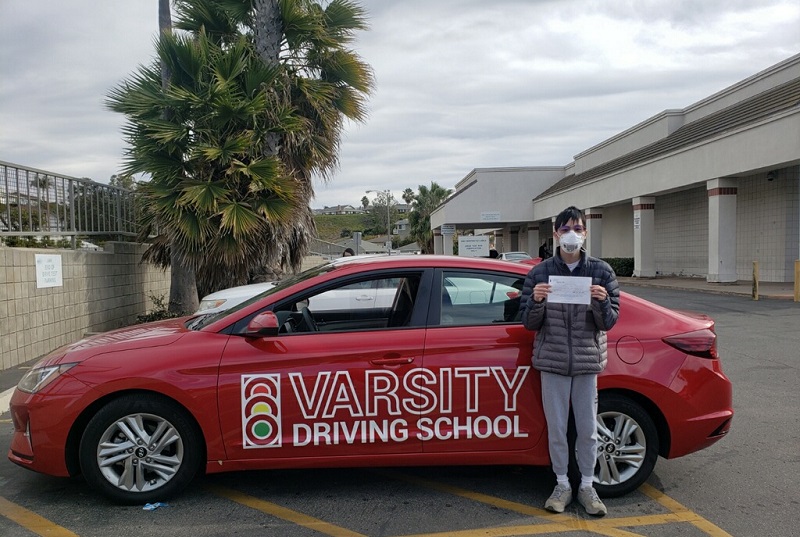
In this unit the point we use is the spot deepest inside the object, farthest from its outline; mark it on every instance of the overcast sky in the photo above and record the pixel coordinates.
(460, 84)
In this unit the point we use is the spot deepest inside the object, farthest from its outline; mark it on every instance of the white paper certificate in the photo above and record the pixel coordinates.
(570, 290)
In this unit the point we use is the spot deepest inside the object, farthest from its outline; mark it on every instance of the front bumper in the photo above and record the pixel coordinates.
(41, 429)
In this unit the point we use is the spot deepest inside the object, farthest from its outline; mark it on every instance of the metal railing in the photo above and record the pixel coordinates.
(37, 203)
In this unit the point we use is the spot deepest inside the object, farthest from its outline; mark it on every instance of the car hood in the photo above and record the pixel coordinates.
(156, 334)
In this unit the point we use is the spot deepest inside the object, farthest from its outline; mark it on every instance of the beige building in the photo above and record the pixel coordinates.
(702, 191)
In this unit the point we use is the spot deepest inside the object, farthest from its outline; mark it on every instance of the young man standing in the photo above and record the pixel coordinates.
(570, 351)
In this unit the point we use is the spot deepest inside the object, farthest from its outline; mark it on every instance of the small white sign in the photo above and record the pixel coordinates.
(473, 246)
(570, 290)
(48, 271)
(637, 221)
(448, 229)
(493, 216)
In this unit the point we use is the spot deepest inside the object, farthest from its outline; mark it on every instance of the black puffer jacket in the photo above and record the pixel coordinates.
(571, 338)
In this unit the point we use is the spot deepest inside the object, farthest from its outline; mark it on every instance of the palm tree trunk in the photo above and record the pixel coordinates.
(268, 36)
(268, 33)
(183, 284)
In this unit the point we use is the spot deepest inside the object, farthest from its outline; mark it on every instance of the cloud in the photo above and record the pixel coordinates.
(460, 84)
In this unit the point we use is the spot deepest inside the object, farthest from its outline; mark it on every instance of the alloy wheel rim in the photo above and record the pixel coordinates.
(621, 448)
(140, 452)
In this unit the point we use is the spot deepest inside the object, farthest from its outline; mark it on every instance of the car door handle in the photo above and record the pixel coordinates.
(363, 297)
(392, 361)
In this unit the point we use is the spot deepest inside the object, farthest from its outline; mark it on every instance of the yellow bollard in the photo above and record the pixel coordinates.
(797, 280)
(755, 280)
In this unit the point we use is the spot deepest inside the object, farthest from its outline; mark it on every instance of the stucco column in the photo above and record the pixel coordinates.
(447, 242)
(513, 239)
(533, 240)
(644, 237)
(594, 232)
(437, 242)
(498, 242)
(721, 230)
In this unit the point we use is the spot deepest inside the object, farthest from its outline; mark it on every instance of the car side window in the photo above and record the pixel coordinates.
(479, 298)
(374, 303)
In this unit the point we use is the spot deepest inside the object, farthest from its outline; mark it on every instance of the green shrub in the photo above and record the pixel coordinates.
(160, 311)
(623, 266)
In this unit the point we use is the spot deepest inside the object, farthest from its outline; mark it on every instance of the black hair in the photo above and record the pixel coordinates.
(348, 251)
(570, 213)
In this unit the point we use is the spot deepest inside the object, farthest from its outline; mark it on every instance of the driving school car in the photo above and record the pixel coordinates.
(438, 375)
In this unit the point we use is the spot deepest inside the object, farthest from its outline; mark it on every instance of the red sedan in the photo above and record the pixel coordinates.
(300, 377)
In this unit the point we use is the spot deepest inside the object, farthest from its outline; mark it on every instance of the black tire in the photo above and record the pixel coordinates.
(627, 448)
(118, 458)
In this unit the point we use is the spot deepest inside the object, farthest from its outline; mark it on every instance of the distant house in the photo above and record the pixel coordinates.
(401, 228)
(412, 248)
(339, 209)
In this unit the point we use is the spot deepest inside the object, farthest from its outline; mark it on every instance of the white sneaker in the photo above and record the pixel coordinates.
(559, 499)
(588, 498)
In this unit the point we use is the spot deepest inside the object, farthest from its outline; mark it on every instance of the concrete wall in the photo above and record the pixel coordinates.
(681, 223)
(767, 228)
(101, 291)
(618, 230)
(768, 225)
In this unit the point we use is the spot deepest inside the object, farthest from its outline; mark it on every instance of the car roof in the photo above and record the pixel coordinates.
(425, 261)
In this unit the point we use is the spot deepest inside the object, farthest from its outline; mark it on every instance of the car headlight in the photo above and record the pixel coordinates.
(210, 304)
(37, 378)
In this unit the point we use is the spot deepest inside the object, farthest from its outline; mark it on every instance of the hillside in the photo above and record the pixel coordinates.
(330, 226)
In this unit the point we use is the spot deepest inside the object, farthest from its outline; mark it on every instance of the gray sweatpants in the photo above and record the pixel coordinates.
(557, 392)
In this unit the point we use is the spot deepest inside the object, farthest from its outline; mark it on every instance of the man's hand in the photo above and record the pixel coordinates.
(541, 291)
(598, 292)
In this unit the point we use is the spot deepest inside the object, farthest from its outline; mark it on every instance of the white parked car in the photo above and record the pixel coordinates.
(225, 299)
(233, 296)
(515, 256)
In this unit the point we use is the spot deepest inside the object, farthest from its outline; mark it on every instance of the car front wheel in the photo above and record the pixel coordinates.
(627, 446)
(140, 448)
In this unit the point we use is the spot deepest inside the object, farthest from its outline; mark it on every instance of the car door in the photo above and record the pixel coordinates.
(480, 355)
(340, 392)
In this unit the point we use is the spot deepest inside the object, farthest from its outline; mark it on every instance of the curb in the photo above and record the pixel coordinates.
(709, 290)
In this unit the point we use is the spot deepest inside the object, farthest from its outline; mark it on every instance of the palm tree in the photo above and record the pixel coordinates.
(419, 219)
(233, 141)
(183, 282)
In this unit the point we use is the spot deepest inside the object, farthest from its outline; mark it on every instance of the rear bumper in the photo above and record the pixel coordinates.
(706, 412)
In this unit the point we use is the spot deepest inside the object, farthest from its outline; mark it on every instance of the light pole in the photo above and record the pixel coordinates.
(388, 218)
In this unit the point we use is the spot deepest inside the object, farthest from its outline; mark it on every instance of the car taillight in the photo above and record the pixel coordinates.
(702, 343)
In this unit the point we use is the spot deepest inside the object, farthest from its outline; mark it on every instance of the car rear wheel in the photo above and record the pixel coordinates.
(627, 446)
(140, 448)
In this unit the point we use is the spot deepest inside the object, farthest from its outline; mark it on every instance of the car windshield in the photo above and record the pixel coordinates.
(198, 322)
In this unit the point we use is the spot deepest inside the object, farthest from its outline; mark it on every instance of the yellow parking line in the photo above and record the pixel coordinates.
(690, 516)
(557, 523)
(553, 523)
(31, 521)
(289, 515)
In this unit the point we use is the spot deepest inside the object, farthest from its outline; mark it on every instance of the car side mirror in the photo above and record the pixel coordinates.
(264, 324)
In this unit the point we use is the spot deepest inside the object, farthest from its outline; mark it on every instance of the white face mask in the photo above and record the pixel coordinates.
(570, 242)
